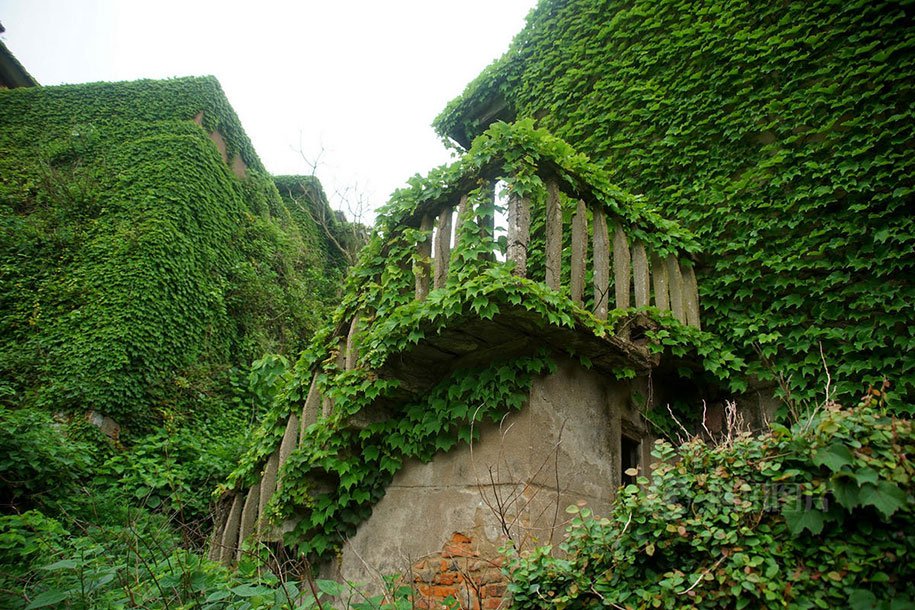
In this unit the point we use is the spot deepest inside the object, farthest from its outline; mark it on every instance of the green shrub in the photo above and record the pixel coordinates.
(38, 460)
(818, 516)
(138, 564)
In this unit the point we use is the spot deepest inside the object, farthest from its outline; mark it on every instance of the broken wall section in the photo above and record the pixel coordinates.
(443, 522)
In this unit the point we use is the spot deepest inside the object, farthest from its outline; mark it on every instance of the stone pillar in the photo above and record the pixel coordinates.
(442, 248)
(553, 276)
(601, 264)
(621, 266)
(519, 233)
(579, 252)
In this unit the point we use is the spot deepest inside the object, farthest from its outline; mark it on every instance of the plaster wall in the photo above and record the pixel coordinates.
(516, 480)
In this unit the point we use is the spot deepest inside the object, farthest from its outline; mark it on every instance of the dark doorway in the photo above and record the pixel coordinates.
(629, 459)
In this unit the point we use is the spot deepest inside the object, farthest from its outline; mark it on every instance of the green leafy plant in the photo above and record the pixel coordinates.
(137, 563)
(816, 516)
(37, 459)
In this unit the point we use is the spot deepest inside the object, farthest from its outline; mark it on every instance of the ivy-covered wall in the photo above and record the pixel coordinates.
(781, 134)
(306, 201)
(135, 269)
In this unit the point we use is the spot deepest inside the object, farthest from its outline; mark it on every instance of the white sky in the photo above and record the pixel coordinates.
(361, 80)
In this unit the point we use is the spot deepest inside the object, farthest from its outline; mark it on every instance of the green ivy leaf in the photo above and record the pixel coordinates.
(885, 497)
(251, 591)
(862, 599)
(846, 491)
(867, 475)
(329, 587)
(218, 595)
(835, 457)
(799, 520)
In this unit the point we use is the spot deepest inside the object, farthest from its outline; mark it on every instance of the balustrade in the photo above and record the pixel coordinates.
(623, 272)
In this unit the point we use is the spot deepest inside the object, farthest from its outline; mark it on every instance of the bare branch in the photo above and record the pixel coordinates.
(344, 230)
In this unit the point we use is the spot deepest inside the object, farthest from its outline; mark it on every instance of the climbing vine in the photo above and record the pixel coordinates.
(340, 469)
(815, 516)
(780, 134)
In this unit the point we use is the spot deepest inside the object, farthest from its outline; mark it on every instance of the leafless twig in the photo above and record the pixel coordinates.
(682, 427)
(701, 576)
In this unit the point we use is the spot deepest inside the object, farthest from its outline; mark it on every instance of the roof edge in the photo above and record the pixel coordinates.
(12, 73)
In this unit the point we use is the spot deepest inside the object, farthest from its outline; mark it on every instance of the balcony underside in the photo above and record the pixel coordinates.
(470, 342)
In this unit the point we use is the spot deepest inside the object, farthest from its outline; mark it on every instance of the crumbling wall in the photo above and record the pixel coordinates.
(511, 487)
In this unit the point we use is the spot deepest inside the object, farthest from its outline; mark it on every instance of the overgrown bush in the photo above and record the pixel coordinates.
(37, 459)
(820, 515)
(139, 563)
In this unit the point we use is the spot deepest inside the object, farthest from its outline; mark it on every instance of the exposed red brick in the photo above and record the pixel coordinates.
(444, 592)
(451, 550)
(460, 573)
(446, 578)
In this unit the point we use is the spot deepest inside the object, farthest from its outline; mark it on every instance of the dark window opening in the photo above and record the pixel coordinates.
(629, 458)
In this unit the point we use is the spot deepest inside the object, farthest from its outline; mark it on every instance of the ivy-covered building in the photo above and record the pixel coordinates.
(481, 381)
(145, 253)
(779, 138)
(664, 214)
(781, 134)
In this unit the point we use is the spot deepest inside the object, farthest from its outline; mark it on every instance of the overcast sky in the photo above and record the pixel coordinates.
(360, 79)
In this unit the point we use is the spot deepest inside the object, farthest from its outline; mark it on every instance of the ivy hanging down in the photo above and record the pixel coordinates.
(339, 470)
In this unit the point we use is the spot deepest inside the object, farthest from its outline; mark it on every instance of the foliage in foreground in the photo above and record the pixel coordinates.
(140, 562)
(91, 525)
(817, 516)
(113, 518)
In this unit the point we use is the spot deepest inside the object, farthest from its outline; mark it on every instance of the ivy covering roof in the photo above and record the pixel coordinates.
(780, 134)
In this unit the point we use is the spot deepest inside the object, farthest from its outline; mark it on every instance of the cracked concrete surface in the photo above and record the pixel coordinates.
(517, 479)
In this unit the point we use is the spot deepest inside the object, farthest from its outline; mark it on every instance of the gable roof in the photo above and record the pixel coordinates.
(12, 73)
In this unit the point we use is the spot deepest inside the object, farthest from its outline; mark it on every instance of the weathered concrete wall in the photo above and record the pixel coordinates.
(517, 480)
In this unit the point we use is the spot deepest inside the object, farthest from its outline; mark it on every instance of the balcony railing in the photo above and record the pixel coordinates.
(576, 245)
